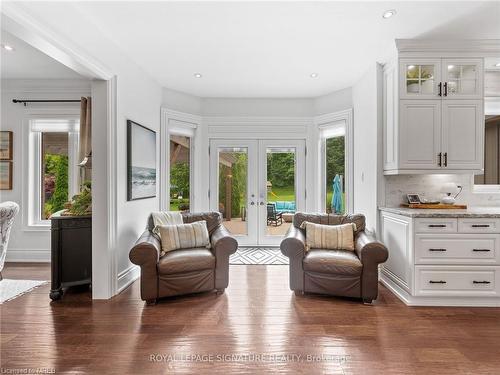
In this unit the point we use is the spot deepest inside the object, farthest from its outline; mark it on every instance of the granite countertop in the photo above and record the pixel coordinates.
(487, 212)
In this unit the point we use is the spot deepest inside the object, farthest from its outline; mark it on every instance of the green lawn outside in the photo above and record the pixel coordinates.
(174, 203)
(329, 194)
(282, 194)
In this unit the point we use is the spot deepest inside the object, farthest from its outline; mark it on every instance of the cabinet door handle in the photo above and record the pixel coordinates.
(481, 250)
(445, 159)
(480, 225)
(437, 249)
(481, 282)
(437, 282)
(440, 159)
(440, 86)
(446, 89)
(437, 225)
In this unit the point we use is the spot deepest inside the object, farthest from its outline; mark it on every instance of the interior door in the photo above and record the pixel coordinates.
(233, 187)
(281, 187)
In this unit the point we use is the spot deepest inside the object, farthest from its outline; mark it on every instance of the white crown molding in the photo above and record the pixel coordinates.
(481, 46)
(20, 23)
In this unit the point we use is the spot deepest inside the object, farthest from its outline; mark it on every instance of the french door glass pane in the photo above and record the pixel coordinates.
(54, 173)
(335, 174)
(281, 194)
(180, 172)
(233, 172)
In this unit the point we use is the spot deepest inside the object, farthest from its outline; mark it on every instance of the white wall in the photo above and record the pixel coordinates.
(334, 102)
(257, 107)
(182, 102)
(367, 144)
(28, 244)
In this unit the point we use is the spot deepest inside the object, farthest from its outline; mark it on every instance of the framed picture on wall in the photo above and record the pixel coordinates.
(5, 175)
(6, 145)
(141, 161)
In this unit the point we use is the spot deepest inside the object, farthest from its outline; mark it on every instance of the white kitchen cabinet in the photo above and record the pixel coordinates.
(462, 134)
(433, 112)
(445, 261)
(420, 133)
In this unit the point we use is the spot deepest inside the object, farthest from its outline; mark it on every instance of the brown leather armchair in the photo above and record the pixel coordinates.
(184, 271)
(335, 272)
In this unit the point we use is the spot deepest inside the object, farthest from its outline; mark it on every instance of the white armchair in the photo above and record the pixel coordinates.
(8, 211)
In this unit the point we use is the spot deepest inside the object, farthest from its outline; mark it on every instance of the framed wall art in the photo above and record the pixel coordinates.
(6, 145)
(141, 162)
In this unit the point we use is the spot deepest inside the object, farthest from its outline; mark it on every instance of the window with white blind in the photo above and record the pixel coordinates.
(53, 169)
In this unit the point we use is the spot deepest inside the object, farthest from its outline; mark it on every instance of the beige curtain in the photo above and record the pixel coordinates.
(85, 134)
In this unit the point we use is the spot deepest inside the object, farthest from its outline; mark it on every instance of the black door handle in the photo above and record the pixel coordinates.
(440, 157)
(445, 159)
(437, 282)
(480, 225)
(484, 250)
(440, 86)
(437, 249)
(481, 282)
(446, 89)
(437, 225)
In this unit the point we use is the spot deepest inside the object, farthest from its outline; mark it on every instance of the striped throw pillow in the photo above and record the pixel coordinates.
(331, 237)
(184, 236)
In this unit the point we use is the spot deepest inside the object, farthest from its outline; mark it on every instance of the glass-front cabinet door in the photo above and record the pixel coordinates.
(420, 79)
(462, 78)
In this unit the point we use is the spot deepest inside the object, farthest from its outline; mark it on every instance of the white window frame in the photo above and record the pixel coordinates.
(183, 124)
(328, 123)
(33, 199)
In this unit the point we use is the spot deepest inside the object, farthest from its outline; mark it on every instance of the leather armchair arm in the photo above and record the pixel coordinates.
(293, 246)
(369, 250)
(146, 253)
(223, 245)
(371, 253)
(146, 249)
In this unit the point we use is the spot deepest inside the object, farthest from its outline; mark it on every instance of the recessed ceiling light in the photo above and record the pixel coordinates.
(314, 75)
(197, 75)
(450, 67)
(497, 65)
(7, 47)
(389, 13)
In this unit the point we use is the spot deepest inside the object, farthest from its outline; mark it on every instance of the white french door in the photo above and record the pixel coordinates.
(257, 185)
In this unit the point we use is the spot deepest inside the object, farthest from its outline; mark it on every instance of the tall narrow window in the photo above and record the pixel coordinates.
(180, 172)
(54, 172)
(333, 145)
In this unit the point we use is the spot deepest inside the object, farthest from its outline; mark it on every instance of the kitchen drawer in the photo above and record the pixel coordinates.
(457, 281)
(457, 248)
(479, 225)
(433, 225)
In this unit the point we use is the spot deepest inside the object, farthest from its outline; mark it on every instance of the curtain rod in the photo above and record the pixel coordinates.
(44, 101)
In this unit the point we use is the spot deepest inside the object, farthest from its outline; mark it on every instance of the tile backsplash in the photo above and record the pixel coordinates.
(428, 186)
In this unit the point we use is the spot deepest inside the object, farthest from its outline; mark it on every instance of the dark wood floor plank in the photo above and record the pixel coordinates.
(257, 315)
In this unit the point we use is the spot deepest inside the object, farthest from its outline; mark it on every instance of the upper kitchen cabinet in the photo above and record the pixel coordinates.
(462, 78)
(420, 78)
(433, 107)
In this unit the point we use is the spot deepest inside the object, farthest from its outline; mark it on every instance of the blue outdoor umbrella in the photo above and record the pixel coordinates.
(337, 195)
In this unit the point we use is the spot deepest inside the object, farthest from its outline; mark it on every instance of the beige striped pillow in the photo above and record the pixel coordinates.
(332, 237)
(184, 236)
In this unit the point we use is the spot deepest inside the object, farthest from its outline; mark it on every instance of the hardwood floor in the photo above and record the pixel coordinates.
(258, 315)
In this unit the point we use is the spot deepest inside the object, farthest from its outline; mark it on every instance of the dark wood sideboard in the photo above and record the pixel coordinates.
(71, 252)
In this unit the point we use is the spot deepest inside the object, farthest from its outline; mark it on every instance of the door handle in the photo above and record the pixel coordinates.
(445, 159)
(437, 282)
(481, 282)
(440, 86)
(446, 89)
(480, 225)
(440, 158)
(437, 249)
(437, 225)
(481, 250)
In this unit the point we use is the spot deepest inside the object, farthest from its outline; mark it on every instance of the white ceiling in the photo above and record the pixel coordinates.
(269, 49)
(26, 62)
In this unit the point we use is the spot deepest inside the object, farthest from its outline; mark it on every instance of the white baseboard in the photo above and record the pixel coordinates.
(127, 277)
(28, 255)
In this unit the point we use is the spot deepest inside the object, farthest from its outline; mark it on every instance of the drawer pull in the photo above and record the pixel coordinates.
(481, 282)
(437, 225)
(437, 282)
(482, 250)
(480, 225)
(437, 249)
